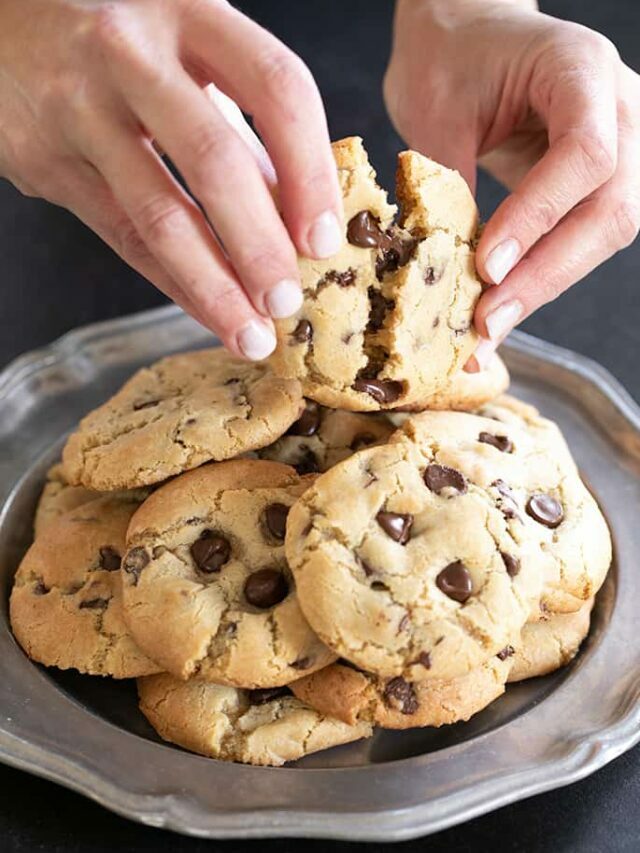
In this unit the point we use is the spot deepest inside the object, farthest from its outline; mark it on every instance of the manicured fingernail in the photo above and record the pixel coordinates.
(325, 235)
(502, 259)
(284, 299)
(256, 341)
(482, 356)
(503, 319)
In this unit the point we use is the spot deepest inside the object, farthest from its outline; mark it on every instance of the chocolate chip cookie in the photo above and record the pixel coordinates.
(268, 727)
(548, 645)
(207, 588)
(354, 696)
(182, 411)
(66, 603)
(387, 322)
(405, 561)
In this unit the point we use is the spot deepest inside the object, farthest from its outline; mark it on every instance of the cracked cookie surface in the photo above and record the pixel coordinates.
(58, 497)
(66, 603)
(265, 727)
(207, 588)
(550, 644)
(178, 413)
(354, 696)
(387, 321)
(404, 560)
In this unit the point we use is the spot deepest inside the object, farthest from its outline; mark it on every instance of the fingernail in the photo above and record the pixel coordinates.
(325, 235)
(483, 354)
(502, 259)
(284, 299)
(256, 341)
(503, 319)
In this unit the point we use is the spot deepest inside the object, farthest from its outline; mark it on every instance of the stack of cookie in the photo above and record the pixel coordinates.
(355, 535)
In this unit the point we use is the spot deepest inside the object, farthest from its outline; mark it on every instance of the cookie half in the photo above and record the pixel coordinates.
(66, 602)
(267, 727)
(207, 588)
(405, 563)
(354, 696)
(387, 321)
(182, 411)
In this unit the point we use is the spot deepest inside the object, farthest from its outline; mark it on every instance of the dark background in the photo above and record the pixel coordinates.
(56, 275)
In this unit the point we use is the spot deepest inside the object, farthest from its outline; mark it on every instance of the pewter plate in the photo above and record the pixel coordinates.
(87, 733)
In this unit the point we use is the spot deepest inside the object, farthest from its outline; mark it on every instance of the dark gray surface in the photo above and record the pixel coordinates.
(56, 275)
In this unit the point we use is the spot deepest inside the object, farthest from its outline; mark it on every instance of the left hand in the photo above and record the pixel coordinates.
(550, 109)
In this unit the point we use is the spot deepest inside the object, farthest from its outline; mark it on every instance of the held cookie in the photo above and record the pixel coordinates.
(405, 565)
(322, 437)
(268, 727)
(66, 603)
(550, 499)
(387, 321)
(549, 645)
(354, 696)
(207, 588)
(182, 411)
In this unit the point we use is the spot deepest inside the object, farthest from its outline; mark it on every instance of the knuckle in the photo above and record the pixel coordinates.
(284, 75)
(128, 242)
(626, 219)
(597, 155)
(161, 219)
(260, 259)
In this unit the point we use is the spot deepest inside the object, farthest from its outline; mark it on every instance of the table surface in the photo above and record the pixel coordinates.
(57, 275)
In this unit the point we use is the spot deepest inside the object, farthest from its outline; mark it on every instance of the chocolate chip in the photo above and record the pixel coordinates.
(383, 391)
(308, 422)
(303, 332)
(110, 560)
(158, 551)
(378, 586)
(210, 552)
(145, 404)
(455, 582)
(307, 463)
(436, 322)
(268, 694)
(502, 442)
(362, 439)
(440, 477)
(342, 279)
(396, 525)
(424, 659)
(545, 509)
(231, 629)
(275, 518)
(232, 381)
(506, 652)
(94, 604)
(39, 588)
(265, 588)
(379, 307)
(507, 503)
(366, 568)
(363, 230)
(400, 696)
(512, 564)
(134, 562)
(432, 276)
(302, 663)
(396, 250)
(404, 622)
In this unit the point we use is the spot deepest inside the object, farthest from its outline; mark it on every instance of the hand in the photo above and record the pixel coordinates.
(549, 108)
(89, 88)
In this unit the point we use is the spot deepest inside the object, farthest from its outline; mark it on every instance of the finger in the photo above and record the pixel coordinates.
(582, 130)
(177, 235)
(597, 228)
(222, 174)
(272, 84)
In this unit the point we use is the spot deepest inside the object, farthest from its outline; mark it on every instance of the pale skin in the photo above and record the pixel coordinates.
(91, 89)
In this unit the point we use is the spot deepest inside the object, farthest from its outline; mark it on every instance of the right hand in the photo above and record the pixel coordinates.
(86, 89)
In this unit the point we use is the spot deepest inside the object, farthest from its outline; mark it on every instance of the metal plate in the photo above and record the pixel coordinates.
(86, 733)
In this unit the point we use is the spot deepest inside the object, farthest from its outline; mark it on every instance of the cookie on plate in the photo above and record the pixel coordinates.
(207, 588)
(548, 645)
(387, 321)
(267, 727)
(322, 437)
(59, 497)
(404, 559)
(354, 696)
(66, 603)
(182, 411)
